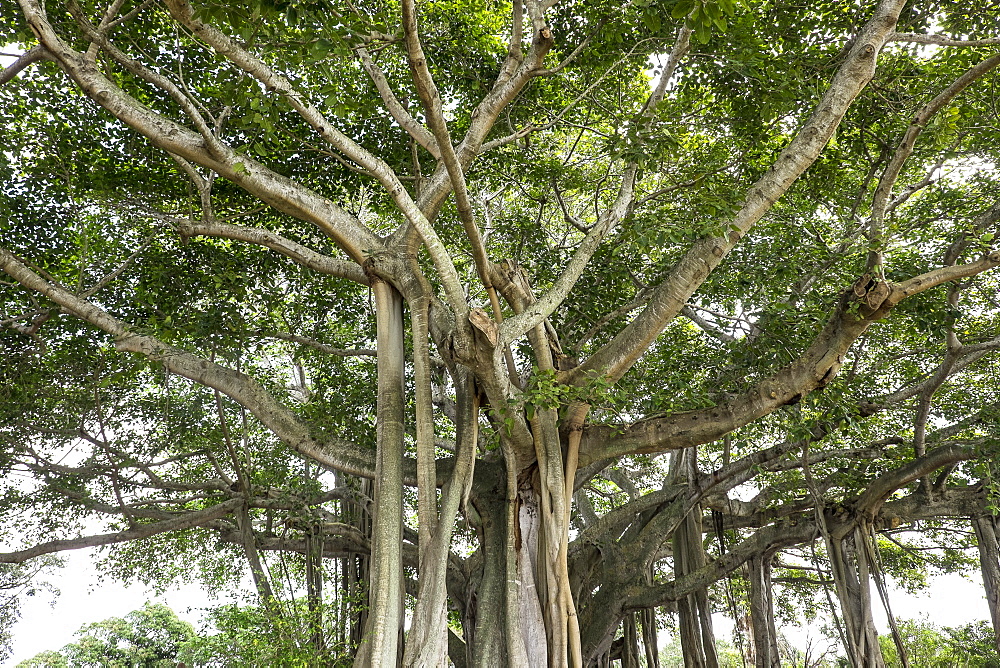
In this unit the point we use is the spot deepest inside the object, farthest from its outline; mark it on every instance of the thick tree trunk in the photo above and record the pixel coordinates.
(427, 643)
(490, 648)
(529, 552)
(649, 641)
(850, 567)
(989, 560)
(765, 635)
(380, 646)
(694, 614)
(517, 570)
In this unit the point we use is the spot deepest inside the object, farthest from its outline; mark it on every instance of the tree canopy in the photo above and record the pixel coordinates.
(522, 327)
(155, 637)
(151, 637)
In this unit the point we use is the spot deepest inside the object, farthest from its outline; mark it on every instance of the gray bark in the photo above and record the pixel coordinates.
(380, 646)
(850, 568)
(648, 618)
(989, 560)
(490, 646)
(694, 615)
(427, 643)
(532, 618)
(765, 636)
(630, 642)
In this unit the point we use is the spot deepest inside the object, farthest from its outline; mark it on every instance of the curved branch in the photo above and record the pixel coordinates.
(871, 500)
(895, 165)
(813, 369)
(275, 190)
(431, 100)
(184, 521)
(32, 55)
(412, 127)
(609, 219)
(243, 389)
(290, 249)
(255, 67)
(957, 503)
(543, 307)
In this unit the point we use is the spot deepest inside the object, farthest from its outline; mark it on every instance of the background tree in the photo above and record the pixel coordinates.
(153, 637)
(928, 644)
(402, 306)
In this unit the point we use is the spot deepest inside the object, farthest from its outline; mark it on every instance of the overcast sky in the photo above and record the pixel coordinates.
(85, 599)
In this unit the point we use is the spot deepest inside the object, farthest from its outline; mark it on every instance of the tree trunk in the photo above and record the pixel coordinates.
(490, 648)
(529, 552)
(314, 589)
(517, 570)
(649, 641)
(355, 570)
(630, 642)
(850, 568)
(380, 646)
(694, 615)
(427, 643)
(989, 560)
(765, 636)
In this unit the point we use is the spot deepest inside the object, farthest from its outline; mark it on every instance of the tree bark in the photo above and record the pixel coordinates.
(649, 641)
(380, 645)
(427, 644)
(694, 614)
(765, 636)
(529, 551)
(989, 560)
(850, 568)
(490, 647)
(630, 642)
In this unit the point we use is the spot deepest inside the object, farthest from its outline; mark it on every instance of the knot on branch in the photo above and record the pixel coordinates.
(869, 293)
(375, 265)
(485, 324)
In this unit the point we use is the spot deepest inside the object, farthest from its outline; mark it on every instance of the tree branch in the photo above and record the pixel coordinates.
(615, 358)
(277, 191)
(247, 392)
(183, 521)
(32, 55)
(871, 500)
(940, 40)
(813, 369)
(252, 65)
(290, 249)
(905, 148)
(412, 127)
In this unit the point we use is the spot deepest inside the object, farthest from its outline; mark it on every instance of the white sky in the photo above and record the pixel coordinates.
(49, 625)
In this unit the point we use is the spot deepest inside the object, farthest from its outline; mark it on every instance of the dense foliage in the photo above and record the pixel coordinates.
(523, 327)
(153, 637)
